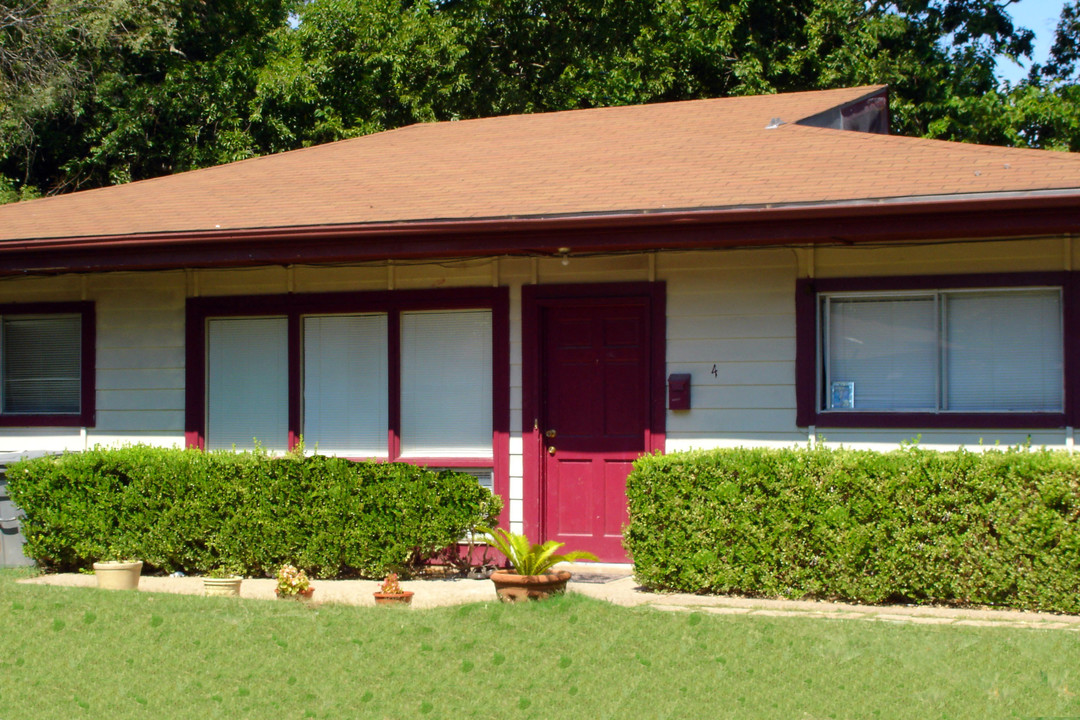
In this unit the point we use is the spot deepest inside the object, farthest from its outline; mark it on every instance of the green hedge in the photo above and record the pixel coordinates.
(988, 528)
(192, 511)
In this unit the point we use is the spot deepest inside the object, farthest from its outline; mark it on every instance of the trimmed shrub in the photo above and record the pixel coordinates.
(192, 510)
(998, 528)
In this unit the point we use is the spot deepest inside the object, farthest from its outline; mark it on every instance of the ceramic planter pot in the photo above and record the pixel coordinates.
(222, 587)
(511, 587)
(115, 575)
(402, 598)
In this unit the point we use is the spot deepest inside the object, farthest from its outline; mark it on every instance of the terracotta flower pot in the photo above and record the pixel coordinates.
(402, 598)
(115, 575)
(511, 587)
(222, 587)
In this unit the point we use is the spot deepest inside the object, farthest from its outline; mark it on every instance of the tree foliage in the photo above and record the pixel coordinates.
(96, 92)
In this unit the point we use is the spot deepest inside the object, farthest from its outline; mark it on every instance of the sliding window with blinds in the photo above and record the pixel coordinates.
(943, 351)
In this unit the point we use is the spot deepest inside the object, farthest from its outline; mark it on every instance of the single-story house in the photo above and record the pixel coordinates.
(539, 299)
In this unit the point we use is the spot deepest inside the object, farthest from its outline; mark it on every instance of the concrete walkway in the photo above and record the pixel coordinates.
(621, 591)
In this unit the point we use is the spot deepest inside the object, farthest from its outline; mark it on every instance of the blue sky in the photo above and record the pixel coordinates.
(1041, 17)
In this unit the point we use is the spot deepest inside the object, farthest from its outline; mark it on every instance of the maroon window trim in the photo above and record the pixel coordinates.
(393, 303)
(807, 372)
(87, 413)
(533, 298)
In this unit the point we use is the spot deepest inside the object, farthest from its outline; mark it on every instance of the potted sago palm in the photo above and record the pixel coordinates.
(532, 577)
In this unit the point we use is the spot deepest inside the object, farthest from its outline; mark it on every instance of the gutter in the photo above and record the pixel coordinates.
(993, 215)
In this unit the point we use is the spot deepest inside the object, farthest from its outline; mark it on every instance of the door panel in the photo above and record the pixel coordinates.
(595, 411)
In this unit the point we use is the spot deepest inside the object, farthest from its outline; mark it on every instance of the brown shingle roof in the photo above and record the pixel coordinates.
(699, 154)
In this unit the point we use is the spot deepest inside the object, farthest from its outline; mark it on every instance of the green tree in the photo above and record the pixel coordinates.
(97, 92)
(407, 61)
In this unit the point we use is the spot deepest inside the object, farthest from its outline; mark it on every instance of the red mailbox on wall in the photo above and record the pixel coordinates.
(679, 391)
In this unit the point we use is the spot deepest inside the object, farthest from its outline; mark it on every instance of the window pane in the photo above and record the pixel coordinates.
(446, 383)
(345, 385)
(882, 354)
(42, 364)
(247, 384)
(1004, 351)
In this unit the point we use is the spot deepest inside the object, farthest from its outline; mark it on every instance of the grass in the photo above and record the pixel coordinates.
(70, 653)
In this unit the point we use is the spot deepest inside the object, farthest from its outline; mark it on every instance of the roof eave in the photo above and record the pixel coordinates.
(987, 216)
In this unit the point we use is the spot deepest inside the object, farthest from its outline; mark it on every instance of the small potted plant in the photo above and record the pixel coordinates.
(222, 581)
(390, 592)
(532, 577)
(293, 584)
(118, 571)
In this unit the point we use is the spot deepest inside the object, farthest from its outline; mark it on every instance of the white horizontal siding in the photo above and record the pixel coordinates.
(691, 327)
(711, 440)
(138, 358)
(144, 379)
(731, 350)
(742, 397)
(142, 399)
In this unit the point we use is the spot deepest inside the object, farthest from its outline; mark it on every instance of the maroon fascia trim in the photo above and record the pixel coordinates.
(806, 360)
(295, 306)
(915, 219)
(533, 299)
(86, 417)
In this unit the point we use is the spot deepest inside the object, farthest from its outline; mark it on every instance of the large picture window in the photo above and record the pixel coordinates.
(968, 351)
(420, 376)
(46, 364)
(958, 351)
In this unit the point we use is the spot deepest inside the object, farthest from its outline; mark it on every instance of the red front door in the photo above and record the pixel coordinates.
(594, 399)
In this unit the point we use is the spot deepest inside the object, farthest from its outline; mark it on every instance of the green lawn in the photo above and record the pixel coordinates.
(69, 653)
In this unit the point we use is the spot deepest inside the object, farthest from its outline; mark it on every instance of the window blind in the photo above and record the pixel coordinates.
(446, 383)
(888, 348)
(345, 385)
(1004, 351)
(41, 364)
(247, 383)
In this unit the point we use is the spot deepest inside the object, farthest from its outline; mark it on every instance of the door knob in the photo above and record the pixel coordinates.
(551, 449)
